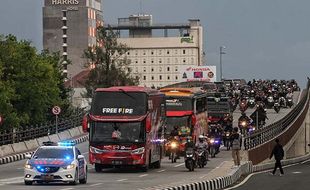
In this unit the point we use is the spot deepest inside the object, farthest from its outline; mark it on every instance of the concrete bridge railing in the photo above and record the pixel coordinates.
(259, 144)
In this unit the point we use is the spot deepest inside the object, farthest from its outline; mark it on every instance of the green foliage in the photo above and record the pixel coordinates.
(111, 68)
(30, 83)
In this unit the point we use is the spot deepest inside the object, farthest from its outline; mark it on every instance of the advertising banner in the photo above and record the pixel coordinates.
(197, 73)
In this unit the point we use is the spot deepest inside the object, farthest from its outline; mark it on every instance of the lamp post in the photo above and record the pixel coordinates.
(221, 69)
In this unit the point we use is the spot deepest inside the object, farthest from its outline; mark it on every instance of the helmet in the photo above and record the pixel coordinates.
(201, 137)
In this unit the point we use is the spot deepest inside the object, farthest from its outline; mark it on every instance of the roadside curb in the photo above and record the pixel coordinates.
(22, 156)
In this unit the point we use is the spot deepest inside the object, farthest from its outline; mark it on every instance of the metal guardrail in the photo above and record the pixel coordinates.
(271, 131)
(31, 132)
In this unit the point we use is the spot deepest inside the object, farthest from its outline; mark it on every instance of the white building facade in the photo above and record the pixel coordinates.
(157, 59)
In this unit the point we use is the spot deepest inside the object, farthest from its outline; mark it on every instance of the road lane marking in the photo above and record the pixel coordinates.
(143, 175)
(178, 165)
(96, 184)
(11, 179)
(161, 171)
(122, 180)
(85, 152)
(67, 188)
(20, 168)
(296, 172)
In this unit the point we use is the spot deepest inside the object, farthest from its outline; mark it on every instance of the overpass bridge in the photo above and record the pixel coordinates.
(291, 126)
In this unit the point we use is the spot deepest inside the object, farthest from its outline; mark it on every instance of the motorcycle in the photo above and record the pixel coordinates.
(282, 102)
(289, 102)
(226, 139)
(243, 126)
(243, 106)
(190, 159)
(214, 146)
(276, 106)
(251, 102)
(174, 148)
(202, 160)
(270, 101)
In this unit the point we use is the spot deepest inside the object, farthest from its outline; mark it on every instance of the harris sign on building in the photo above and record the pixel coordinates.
(197, 73)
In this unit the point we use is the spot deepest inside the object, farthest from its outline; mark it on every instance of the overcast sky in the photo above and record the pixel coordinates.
(267, 39)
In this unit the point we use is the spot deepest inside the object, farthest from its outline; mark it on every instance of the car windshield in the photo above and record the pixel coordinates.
(112, 132)
(54, 152)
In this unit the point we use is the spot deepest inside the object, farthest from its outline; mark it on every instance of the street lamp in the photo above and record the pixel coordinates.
(221, 53)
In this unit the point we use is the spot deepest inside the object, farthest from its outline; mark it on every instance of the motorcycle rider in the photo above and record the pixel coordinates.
(174, 136)
(202, 144)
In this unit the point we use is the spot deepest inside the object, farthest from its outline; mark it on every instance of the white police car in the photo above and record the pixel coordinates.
(56, 162)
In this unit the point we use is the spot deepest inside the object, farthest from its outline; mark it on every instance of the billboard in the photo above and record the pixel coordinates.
(197, 73)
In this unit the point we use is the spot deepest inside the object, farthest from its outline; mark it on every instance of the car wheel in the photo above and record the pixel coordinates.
(84, 180)
(28, 182)
(76, 178)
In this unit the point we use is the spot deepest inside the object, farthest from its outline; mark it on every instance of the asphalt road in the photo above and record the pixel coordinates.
(295, 178)
(11, 175)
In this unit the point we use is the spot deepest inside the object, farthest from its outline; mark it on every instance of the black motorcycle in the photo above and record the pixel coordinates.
(190, 159)
(202, 160)
(289, 102)
(226, 139)
(276, 106)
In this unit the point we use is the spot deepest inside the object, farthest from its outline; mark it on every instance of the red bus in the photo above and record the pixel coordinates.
(125, 126)
(186, 107)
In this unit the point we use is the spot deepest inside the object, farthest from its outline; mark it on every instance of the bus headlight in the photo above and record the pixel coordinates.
(95, 150)
(138, 151)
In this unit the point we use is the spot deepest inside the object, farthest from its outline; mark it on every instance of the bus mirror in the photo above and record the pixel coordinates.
(148, 124)
(85, 124)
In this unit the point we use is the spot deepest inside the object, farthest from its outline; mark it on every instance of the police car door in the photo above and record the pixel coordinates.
(81, 163)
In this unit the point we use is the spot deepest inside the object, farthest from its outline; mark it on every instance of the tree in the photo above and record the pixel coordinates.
(111, 67)
(30, 83)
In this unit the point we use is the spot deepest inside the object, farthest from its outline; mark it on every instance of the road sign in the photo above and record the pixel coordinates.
(56, 110)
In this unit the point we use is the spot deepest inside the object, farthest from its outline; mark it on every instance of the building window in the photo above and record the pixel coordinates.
(144, 77)
(152, 69)
(144, 52)
(136, 52)
(144, 69)
(176, 68)
(168, 52)
(137, 69)
(144, 61)
(168, 77)
(160, 77)
(176, 60)
(159, 60)
(152, 52)
(136, 61)
(159, 52)
(183, 51)
(176, 77)
(184, 60)
(152, 77)
(160, 69)
(152, 61)
(168, 68)
(128, 53)
(168, 60)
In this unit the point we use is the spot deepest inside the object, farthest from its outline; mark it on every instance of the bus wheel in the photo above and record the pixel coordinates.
(98, 167)
(157, 164)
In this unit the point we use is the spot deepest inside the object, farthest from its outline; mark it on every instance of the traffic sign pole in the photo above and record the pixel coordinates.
(56, 111)
(56, 124)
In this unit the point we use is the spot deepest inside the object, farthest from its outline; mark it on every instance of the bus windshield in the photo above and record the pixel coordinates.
(119, 103)
(176, 121)
(112, 132)
(178, 104)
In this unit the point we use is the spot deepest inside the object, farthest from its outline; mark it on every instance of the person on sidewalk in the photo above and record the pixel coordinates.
(278, 154)
(236, 142)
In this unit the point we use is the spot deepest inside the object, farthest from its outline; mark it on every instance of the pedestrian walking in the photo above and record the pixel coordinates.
(278, 154)
(236, 142)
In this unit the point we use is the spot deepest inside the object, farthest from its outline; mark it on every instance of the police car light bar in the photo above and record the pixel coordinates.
(68, 143)
(49, 143)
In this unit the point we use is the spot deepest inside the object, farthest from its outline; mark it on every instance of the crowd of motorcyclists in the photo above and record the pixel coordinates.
(257, 94)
